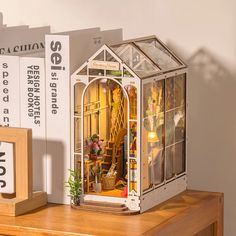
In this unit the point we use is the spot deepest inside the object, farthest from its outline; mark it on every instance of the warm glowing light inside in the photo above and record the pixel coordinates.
(152, 137)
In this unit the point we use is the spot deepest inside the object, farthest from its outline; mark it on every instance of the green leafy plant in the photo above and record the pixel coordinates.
(74, 184)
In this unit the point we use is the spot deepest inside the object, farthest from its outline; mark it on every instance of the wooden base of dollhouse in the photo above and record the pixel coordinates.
(106, 207)
(15, 206)
(163, 193)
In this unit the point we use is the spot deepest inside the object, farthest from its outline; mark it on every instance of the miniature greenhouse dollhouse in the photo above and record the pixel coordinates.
(129, 124)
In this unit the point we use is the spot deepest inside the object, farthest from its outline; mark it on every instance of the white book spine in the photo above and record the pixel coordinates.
(57, 116)
(33, 109)
(9, 91)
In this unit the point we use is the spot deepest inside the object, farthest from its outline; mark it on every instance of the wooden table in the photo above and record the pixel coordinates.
(186, 214)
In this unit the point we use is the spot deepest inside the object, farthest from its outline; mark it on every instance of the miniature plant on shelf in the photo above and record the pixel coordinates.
(74, 184)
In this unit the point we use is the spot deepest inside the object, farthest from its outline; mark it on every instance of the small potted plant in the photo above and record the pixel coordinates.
(94, 146)
(74, 184)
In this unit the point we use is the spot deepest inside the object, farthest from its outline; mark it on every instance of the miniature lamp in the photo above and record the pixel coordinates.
(152, 137)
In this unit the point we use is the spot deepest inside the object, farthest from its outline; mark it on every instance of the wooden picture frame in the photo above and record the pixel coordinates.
(24, 199)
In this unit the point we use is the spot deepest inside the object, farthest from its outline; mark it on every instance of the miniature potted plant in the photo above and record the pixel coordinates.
(95, 147)
(74, 184)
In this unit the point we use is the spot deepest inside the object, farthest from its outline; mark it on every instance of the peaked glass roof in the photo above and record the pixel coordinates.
(135, 59)
(147, 57)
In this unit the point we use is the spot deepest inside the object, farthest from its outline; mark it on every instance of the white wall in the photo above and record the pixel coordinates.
(186, 26)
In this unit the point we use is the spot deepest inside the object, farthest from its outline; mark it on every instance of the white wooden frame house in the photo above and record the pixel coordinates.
(151, 109)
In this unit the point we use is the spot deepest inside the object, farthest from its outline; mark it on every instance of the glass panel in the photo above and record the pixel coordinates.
(78, 90)
(122, 49)
(83, 71)
(136, 60)
(153, 166)
(180, 90)
(170, 128)
(114, 72)
(133, 139)
(153, 104)
(77, 144)
(96, 72)
(175, 125)
(132, 93)
(109, 57)
(158, 164)
(170, 93)
(91, 107)
(77, 162)
(87, 128)
(153, 134)
(153, 159)
(170, 171)
(126, 73)
(100, 56)
(146, 182)
(144, 68)
(133, 175)
(175, 92)
(158, 54)
(179, 121)
(180, 158)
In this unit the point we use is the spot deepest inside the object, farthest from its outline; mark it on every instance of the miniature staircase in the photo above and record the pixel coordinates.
(107, 157)
(106, 207)
(110, 155)
(119, 120)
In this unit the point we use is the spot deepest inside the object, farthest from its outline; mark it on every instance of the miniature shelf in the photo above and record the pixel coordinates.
(189, 213)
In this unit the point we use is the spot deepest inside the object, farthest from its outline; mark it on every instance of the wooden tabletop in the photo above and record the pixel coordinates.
(185, 214)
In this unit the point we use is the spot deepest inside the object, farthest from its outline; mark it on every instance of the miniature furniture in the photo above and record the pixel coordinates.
(191, 213)
(88, 165)
(138, 86)
(24, 199)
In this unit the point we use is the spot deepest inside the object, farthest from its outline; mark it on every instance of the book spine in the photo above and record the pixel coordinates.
(9, 91)
(33, 109)
(57, 116)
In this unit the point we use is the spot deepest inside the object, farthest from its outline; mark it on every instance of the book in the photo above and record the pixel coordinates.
(22, 39)
(33, 112)
(57, 110)
(5, 28)
(9, 91)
